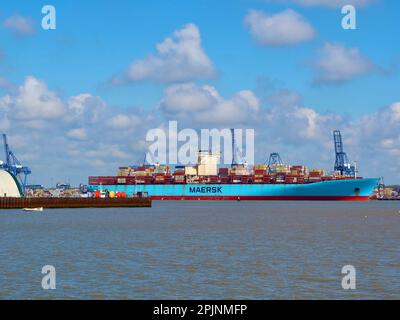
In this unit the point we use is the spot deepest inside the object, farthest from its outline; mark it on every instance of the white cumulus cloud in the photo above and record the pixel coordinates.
(336, 63)
(33, 101)
(326, 3)
(203, 103)
(284, 28)
(78, 133)
(179, 58)
(123, 121)
(86, 108)
(21, 26)
(334, 3)
(189, 97)
(70, 134)
(293, 122)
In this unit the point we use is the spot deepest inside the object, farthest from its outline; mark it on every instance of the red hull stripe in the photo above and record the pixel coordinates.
(263, 198)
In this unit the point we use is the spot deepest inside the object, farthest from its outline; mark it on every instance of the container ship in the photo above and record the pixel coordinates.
(207, 181)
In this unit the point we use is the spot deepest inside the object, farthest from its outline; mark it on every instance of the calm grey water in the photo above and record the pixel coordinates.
(203, 250)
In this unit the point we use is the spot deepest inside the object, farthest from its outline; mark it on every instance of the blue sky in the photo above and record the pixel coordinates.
(96, 41)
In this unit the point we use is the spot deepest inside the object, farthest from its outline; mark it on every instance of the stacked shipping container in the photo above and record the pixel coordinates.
(259, 174)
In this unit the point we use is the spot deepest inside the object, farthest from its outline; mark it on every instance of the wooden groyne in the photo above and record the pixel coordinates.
(20, 203)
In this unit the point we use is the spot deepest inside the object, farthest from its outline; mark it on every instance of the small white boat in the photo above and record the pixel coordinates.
(33, 209)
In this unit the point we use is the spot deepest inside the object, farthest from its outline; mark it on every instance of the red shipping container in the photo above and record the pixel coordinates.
(224, 179)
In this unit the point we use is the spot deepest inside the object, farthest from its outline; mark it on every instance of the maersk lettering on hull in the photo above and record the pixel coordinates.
(205, 190)
(337, 190)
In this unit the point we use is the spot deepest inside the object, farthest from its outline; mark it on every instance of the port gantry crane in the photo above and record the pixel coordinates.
(274, 159)
(342, 163)
(12, 164)
(237, 156)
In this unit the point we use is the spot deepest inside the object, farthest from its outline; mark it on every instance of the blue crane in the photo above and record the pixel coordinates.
(342, 163)
(12, 164)
(274, 159)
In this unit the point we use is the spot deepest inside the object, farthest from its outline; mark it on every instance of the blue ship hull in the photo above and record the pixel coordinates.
(336, 190)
